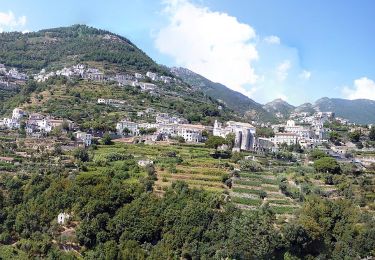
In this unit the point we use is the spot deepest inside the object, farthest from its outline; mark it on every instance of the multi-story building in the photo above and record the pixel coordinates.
(244, 134)
(83, 137)
(287, 138)
(301, 131)
(191, 133)
(132, 127)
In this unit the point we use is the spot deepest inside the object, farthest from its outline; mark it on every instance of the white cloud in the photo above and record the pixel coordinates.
(272, 39)
(305, 74)
(283, 69)
(363, 88)
(213, 44)
(8, 21)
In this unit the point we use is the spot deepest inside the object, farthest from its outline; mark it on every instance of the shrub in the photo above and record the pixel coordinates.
(81, 154)
(107, 140)
(328, 165)
(250, 166)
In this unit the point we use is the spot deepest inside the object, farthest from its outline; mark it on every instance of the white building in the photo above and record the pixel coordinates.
(125, 124)
(13, 73)
(18, 113)
(166, 79)
(110, 101)
(63, 218)
(152, 76)
(244, 134)
(164, 118)
(190, 133)
(83, 137)
(14, 121)
(101, 101)
(138, 76)
(147, 86)
(301, 131)
(288, 138)
(11, 123)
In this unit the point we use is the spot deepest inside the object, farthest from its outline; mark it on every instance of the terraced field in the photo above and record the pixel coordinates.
(194, 166)
(252, 190)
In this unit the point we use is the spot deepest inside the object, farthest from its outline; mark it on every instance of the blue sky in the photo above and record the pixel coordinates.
(297, 50)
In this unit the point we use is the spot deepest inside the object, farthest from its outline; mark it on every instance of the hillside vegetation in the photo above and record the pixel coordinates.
(66, 46)
(232, 99)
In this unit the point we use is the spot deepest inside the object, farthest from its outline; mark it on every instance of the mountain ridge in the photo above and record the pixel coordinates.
(360, 111)
(233, 99)
(279, 107)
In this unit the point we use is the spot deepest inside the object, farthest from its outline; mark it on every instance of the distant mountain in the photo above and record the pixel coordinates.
(306, 107)
(232, 99)
(361, 111)
(279, 107)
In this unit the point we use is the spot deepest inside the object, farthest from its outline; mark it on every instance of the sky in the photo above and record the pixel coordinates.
(297, 50)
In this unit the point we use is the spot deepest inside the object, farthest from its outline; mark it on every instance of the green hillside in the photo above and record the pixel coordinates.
(58, 47)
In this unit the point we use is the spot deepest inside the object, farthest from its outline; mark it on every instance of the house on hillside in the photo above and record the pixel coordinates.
(152, 76)
(132, 127)
(63, 218)
(138, 76)
(147, 86)
(83, 137)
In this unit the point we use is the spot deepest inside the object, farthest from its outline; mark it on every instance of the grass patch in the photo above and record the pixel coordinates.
(280, 202)
(247, 191)
(248, 183)
(283, 210)
(247, 201)
(271, 188)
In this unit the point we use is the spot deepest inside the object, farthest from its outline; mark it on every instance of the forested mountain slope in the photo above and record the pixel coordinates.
(233, 99)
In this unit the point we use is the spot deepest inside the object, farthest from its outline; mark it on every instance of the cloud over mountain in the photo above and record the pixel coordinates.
(363, 88)
(225, 50)
(213, 44)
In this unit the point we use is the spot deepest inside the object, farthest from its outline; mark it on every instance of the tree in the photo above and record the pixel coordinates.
(126, 131)
(328, 165)
(252, 236)
(81, 154)
(107, 140)
(265, 132)
(230, 139)
(355, 136)
(142, 131)
(334, 137)
(250, 166)
(65, 125)
(317, 154)
(22, 129)
(215, 141)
